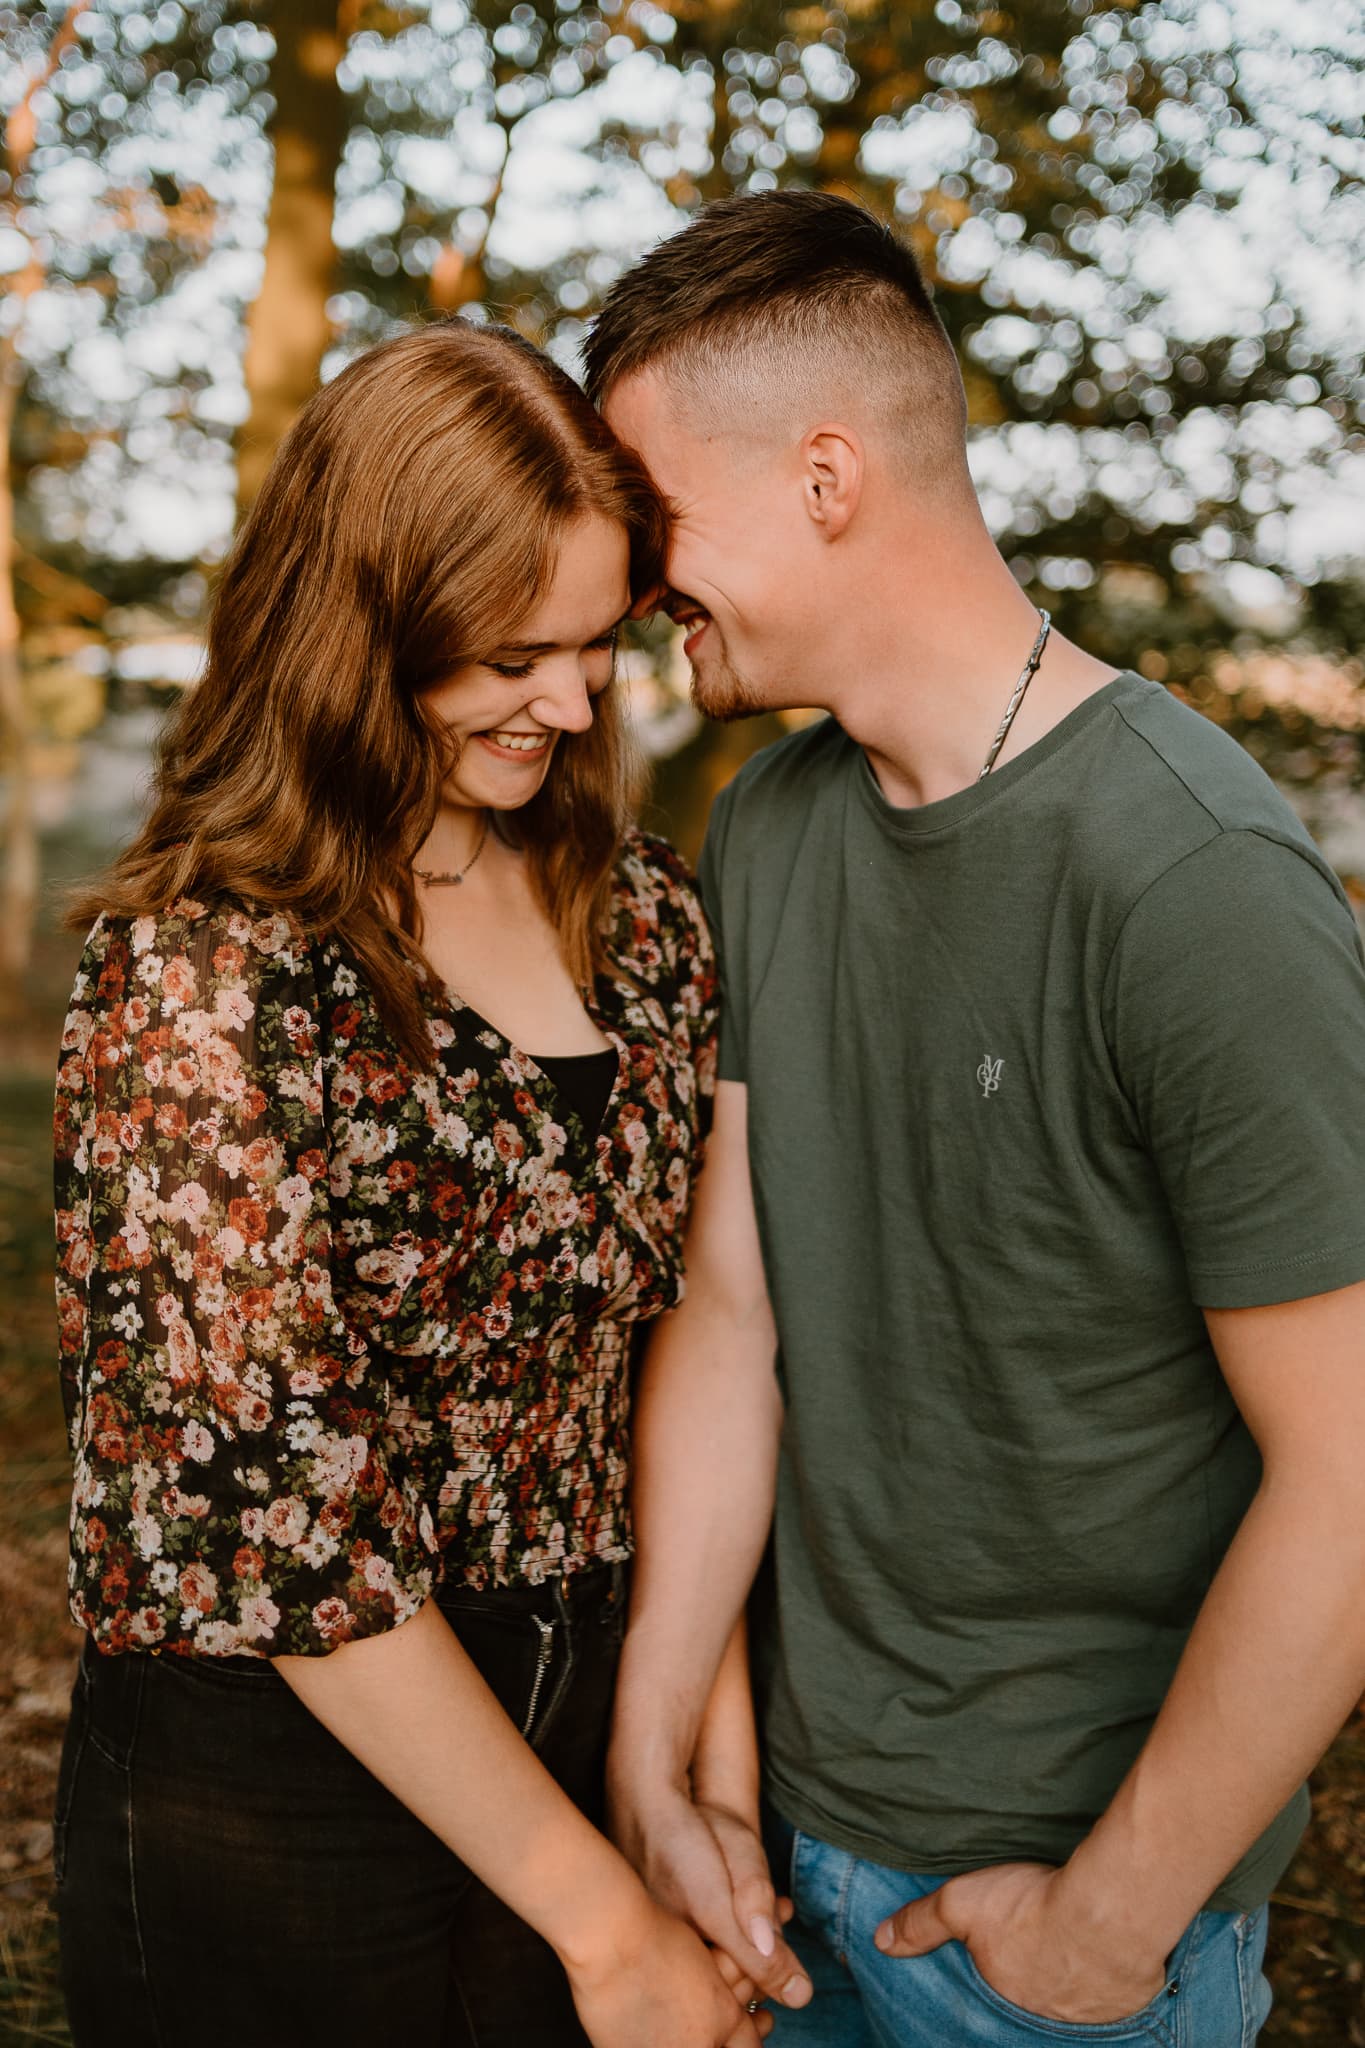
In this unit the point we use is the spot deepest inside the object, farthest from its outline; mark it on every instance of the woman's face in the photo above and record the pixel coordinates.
(509, 708)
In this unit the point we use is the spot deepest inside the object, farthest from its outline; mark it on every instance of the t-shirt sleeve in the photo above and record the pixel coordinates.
(236, 1490)
(718, 903)
(1235, 1018)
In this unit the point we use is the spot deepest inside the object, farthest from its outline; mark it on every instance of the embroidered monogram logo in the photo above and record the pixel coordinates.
(988, 1074)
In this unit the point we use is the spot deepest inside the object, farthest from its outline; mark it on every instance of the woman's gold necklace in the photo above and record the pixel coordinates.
(436, 879)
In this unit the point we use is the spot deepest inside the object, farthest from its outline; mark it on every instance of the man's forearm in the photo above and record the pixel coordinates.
(1274, 1665)
(707, 1421)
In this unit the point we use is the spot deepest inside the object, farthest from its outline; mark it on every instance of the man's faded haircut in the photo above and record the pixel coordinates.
(779, 309)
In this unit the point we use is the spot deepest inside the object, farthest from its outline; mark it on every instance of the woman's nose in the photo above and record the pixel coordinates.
(566, 705)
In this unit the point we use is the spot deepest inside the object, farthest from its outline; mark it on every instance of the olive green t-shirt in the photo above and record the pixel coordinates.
(1035, 1073)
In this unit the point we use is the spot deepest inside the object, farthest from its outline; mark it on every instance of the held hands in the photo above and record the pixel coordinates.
(652, 1980)
(704, 1861)
(1021, 1925)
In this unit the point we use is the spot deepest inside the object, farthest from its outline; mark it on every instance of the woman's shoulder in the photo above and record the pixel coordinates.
(660, 925)
(215, 999)
(255, 931)
(651, 869)
(185, 951)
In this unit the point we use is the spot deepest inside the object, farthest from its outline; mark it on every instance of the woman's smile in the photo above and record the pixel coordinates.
(528, 745)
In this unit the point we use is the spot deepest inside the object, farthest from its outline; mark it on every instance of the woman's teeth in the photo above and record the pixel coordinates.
(519, 742)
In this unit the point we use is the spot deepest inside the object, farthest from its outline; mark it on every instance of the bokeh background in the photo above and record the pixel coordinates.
(1143, 224)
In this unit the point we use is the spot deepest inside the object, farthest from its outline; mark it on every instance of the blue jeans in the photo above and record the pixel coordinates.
(1214, 1996)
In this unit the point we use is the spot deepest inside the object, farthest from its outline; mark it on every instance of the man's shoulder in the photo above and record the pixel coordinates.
(1173, 783)
(777, 787)
(1201, 765)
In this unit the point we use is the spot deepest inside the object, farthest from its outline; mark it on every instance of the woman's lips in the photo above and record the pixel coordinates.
(520, 753)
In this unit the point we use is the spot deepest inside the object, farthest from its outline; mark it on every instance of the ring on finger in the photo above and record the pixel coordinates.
(753, 2005)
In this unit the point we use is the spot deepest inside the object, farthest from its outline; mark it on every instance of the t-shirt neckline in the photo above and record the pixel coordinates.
(920, 820)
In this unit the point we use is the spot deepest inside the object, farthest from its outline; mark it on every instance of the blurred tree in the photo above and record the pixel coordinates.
(146, 167)
(1063, 172)
(1137, 219)
(19, 890)
(1140, 221)
(288, 328)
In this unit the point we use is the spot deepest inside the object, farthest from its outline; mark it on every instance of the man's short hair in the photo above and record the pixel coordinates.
(776, 307)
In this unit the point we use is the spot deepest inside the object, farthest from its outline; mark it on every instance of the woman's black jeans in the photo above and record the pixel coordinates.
(228, 1876)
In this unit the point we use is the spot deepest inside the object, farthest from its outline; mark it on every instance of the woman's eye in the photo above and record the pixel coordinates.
(517, 671)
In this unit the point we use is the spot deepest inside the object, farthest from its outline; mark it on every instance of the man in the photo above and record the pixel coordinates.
(1039, 1169)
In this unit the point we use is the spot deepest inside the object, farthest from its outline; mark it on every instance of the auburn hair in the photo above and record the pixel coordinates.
(408, 523)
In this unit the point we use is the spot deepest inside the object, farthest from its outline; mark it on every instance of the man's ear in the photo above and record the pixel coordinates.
(833, 465)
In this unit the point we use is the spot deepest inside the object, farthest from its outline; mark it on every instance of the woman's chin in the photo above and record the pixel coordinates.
(497, 792)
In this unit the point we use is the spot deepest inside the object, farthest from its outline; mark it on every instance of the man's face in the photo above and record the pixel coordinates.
(735, 552)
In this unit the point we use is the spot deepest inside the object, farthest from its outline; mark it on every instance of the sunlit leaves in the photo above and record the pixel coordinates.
(140, 203)
(1142, 223)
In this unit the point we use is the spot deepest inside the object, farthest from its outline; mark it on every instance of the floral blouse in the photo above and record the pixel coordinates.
(333, 1328)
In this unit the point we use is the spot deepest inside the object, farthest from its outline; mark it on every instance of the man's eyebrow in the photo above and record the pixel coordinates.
(551, 646)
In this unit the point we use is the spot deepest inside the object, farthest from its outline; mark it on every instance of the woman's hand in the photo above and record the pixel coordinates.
(653, 1981)
(744, 1988)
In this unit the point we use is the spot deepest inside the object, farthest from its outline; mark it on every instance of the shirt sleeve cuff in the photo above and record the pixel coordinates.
(1293, 1279)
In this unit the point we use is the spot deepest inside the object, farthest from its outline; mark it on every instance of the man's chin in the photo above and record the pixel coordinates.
(723, 696)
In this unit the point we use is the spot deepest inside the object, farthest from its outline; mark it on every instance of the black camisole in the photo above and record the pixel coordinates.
(584, 1079)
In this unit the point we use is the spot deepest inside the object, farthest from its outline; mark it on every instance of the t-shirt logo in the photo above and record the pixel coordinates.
(988, 1074)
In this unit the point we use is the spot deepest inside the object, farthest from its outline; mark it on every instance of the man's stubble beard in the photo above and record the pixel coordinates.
(721, 693)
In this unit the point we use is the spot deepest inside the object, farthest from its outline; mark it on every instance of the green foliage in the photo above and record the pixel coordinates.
(1140, 220)
(146, 141)
(1133, 217)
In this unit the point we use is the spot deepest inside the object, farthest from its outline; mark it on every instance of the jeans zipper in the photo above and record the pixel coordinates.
(547, 1641)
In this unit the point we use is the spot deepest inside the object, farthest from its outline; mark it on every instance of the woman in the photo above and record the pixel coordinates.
(379, 1109)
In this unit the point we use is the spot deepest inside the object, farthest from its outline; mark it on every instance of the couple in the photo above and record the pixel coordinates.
(1024, 1280)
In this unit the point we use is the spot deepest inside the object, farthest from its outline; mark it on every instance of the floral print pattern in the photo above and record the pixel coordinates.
(332, 1328)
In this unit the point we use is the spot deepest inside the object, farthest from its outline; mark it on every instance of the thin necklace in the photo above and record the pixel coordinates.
(1030, 671)
(437, 880)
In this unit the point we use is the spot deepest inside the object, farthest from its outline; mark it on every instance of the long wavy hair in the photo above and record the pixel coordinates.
(408, 523)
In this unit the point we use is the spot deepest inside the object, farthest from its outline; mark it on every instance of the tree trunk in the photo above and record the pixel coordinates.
(19, 889)
(288, 329)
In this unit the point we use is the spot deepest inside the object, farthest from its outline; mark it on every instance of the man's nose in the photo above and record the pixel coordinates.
(649, 601)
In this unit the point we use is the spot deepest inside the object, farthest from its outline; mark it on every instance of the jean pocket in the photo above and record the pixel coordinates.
(113, 1698)
(1152, 2024)
(1254, 1995)
(230, 1674)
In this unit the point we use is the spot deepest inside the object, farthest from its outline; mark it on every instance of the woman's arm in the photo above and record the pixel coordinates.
(204, 1344)
(411, 1707)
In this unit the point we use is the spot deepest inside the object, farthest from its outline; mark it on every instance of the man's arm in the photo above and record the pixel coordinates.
(1273, 1666)
(708, 1414)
